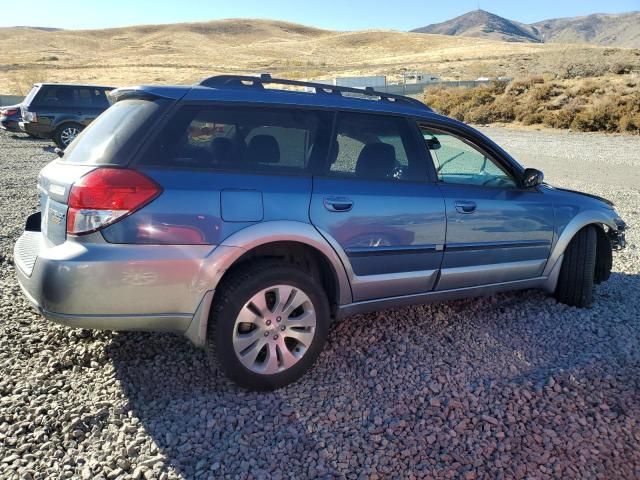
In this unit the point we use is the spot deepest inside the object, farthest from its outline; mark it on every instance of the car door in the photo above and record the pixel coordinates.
(496, 231)
(88, 103)
(376, 203)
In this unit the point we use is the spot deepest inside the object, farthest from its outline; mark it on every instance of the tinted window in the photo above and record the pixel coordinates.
(31, 95)
(376, 147)
(240, 138)
(457, 161)
(69, 96)
(111, 138)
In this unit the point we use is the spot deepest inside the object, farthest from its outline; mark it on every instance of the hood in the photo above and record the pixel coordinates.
(577, 192)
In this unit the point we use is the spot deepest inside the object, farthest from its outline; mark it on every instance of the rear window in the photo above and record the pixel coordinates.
(113, 136)
(241, 138)
(32, 93)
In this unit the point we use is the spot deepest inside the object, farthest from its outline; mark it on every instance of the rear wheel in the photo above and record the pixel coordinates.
(268, 326)
(575, 283)
(65, 134)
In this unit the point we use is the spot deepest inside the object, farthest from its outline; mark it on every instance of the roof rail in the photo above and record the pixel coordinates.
(247, 81)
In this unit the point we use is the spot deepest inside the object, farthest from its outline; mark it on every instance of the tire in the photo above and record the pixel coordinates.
(272, 357)
(65, 134)
(576, 280)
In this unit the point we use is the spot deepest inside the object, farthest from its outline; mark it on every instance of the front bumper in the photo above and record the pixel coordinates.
(106, 286)
(617, 237)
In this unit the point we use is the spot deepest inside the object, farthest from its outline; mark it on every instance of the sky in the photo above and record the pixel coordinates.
(330, 14)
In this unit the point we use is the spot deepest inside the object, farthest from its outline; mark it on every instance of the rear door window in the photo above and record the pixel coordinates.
(242, 138)
(376, 147)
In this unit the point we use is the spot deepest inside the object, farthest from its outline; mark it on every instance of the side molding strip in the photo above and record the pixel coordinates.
(438, 296)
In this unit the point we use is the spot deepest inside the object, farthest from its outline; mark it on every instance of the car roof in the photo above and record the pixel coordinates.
(272, 96)
(72, 85)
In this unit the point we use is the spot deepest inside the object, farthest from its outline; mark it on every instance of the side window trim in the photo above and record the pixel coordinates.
(449, 130)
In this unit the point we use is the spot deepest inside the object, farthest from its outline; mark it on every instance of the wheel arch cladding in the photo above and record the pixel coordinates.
(298, 241)
(301, 255)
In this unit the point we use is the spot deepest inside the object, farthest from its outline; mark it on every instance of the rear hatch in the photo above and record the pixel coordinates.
(27, 116)
(109, 142)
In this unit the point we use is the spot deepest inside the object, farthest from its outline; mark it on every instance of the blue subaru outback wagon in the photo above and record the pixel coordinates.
(247, 217)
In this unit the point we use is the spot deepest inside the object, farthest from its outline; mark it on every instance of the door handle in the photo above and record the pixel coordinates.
(463, 206)
(338, 204)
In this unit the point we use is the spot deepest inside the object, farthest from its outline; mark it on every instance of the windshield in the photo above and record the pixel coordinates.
(112, 137)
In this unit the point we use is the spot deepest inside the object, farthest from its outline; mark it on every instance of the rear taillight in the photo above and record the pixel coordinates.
(8, 113)
(106, 195)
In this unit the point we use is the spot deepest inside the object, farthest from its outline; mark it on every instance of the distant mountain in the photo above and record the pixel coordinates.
(44, 29)
(484, 25)
(621, 30)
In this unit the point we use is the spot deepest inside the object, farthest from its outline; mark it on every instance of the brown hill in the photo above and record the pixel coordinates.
(483, 24)
(619, 30)
(185, 53)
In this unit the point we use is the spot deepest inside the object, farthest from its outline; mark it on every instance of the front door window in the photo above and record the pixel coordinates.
(458, 162)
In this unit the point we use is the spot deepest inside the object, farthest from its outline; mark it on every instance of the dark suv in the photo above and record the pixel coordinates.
(61, 111)
(248, 217)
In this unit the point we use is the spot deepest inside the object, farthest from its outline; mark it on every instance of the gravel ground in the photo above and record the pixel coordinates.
(510, 386)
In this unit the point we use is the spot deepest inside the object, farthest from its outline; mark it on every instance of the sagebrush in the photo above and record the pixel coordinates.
(608, 104)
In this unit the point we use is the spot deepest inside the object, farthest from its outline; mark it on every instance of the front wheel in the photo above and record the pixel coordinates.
(65, 134)
(575, 283)
(269, 324)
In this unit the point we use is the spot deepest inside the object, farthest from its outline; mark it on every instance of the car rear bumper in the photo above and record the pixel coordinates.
(36, 129)
(10, 126)
(110, 286)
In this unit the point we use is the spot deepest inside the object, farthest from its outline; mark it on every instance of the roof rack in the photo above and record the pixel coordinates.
(246, 81)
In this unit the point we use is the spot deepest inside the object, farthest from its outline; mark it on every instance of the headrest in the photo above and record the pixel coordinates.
(263, 149)
(222, 150)
(376, 160)
(64, 94)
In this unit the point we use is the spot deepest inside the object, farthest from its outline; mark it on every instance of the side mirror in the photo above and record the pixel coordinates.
(532, 178)
(432, 143)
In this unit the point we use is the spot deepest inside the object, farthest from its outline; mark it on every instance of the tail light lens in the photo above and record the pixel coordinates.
(8, 113)
(106, 195)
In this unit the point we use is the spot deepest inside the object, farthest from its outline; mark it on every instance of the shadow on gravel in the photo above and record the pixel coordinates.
(377, 375)
(25, 137)
(203, 425)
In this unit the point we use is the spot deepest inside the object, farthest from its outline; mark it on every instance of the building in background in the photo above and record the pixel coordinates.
(411, 78)
(374, 81)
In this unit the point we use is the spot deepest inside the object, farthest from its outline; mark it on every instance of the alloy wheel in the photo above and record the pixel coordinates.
(274, 329)
(68, 134)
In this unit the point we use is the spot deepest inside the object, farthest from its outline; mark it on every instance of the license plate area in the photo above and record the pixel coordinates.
(54, 221)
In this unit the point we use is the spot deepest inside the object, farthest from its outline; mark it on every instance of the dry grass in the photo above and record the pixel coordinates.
(185, 53)
(608, 103)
